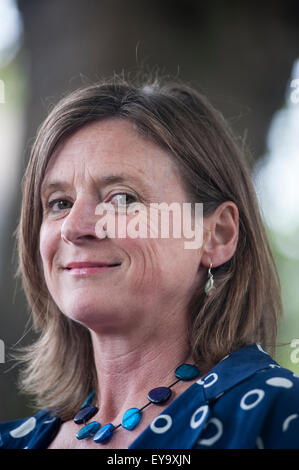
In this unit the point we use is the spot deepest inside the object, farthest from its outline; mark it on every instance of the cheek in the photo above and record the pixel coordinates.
(160, 265)
(47, 248)
(179, 269)
(179, 258)
(144, 270)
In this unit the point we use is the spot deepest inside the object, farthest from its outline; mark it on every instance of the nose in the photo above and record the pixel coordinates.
(80, 223)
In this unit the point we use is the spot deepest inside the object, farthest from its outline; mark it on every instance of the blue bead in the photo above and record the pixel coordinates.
(85, 414)
(89, 430)
(131, 418)
(187, 372)
(88, 400)
(159, 394)
(104, 433)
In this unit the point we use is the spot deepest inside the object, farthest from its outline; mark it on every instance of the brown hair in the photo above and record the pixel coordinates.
(245, 306)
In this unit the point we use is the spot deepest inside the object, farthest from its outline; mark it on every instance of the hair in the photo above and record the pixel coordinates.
(244, 308)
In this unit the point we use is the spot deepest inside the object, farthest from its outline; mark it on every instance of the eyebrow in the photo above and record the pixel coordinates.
(102, 181)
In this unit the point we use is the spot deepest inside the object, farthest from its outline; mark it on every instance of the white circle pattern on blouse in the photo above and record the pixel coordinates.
(219, 431)
(259, 346)
(279, 382)
(48, 421)
(248, 406)
(161, 429)
(287, 421)
(202, 411)
(24, 429)
(208, 380)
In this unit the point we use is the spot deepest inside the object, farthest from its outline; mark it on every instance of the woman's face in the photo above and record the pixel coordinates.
(145, 281)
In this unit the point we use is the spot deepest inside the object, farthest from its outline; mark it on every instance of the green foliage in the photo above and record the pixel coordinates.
(288, 269)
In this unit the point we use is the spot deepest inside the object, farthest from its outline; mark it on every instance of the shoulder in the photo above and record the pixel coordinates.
(35, 432)
(270, 388)
(274, 387)
(273, 397)
(258, 410)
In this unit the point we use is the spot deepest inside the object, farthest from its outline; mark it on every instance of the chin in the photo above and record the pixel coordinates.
(91, 315)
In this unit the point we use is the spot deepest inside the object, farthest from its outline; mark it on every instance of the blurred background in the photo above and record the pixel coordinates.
(243, 55)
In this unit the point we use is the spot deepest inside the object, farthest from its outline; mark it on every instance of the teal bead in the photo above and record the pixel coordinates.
(131, 418)
(104, 433)
(88, 400)
(187, 372)
(89, 430)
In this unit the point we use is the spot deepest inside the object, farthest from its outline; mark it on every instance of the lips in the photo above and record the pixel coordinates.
(89, 264)
(88, 268)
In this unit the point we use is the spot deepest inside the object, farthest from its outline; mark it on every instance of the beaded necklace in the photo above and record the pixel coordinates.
(132, 416)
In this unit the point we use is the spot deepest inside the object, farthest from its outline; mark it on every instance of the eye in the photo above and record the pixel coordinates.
(58, 205)
(124, 199)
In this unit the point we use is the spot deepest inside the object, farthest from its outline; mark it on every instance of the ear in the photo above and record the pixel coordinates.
(221, 233)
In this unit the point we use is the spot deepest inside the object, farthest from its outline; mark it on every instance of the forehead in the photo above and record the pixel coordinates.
(112, 147)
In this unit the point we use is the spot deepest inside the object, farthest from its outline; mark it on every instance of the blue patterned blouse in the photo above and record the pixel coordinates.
(246, 401)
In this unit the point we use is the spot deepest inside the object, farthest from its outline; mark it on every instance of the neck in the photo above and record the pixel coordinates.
(129, 366)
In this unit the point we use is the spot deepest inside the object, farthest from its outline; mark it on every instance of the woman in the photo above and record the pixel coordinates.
(119, 314)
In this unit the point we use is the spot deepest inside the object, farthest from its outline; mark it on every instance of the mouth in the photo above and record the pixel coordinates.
(88, 268)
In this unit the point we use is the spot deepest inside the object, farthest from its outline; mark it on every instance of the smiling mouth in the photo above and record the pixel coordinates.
(85, 269)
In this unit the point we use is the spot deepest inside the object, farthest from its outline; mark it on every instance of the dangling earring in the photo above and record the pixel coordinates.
(210, 282)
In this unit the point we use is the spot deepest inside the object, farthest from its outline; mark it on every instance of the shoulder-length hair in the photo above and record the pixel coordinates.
(58, 369)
